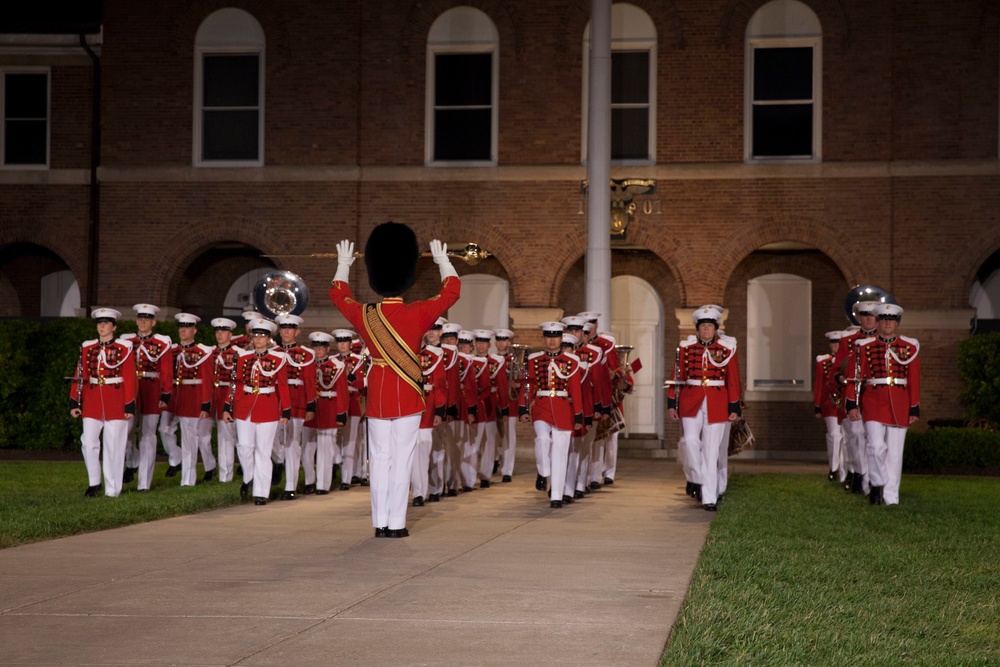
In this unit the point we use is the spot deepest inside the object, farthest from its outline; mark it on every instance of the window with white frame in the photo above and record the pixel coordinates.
(462, 89)
(783, 83)
(24, 99)
(633, 85)
(779, 331)
(229, 90)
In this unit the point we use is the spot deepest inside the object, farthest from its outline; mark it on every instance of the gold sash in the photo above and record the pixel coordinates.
(392, 348)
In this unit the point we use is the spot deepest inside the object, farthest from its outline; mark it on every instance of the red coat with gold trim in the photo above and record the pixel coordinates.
(355, 382)
(224, 362)
(707, 372)
(154, 369)
(301, 379)
(435, 385)
(825, 388)
(556, 395)
(106, 388)
(260, 391)
(454, 396)
(332, 396)
(890, 380)
(468, 403)
(193, 380)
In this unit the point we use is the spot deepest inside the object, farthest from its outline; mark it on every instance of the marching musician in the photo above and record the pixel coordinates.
(155, 373)
(706, 397)
(104, 394)
(332, 403)
(442, 440)
(604, 400)
(436, 393)
(350, 452)
(457, 373)
(578, 458)
(259, 402)
(302, 388)
(392, 330)
(554, 405)
(224, 358)
(889, 374)
(466, 429)
(621, 384)
(192, 398)
(507, 445)
(829, 406)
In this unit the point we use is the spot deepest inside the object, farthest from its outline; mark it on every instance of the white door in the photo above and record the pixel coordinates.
(483, 304)
(636, 320)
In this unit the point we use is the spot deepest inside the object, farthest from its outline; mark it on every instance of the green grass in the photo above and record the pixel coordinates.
(797, 572)
(41, 500)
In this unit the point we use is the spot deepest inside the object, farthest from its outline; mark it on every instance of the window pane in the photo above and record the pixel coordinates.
(630, 134)
(629, 77)
(782, 130)
(230, 135)
(782, 74)
(24, 142)
(26, 95)
(462, 134)
(463, 79)
(231, 81)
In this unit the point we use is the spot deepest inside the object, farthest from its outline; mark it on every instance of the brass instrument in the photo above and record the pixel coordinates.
(860, 293)
(471, 254)
(518, 353)
(618, 392)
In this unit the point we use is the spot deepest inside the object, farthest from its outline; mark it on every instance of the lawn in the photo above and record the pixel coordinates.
(797, 572)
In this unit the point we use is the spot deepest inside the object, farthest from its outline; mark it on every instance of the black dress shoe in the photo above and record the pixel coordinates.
(857, 483)
(382, 532)
(831, 476)
(91, 491)
(697, 491)
(209, 475)
(689, 489)
(594, 486)
(875, 496)
(418, 501)
(244, 489)
(309, 489)
(452, 493)
(355, 480)
(506, 478)
(322, 492)
(172, 471)
(288, 495)
(710, 507)
(466, 489)
(848, 481)
(496, 466)
(276, 472)
(259, 501)
(434, 497)
(129, 475)
(484, 484)
(540, 483)
(567, 500)
(143, 490)
(556, 503)
(364, 481)
(577, 495)
(398, 532)
(345, 487)
(608, 481)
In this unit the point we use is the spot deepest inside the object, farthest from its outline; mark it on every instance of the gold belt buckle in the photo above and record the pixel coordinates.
(216, 384)
(552, 393)
(891, 382)
(256, 390)
(177, 381)
(704, 382)
(100, 380)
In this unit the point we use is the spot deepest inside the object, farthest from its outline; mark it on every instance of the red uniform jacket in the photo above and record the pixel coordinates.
(890, 379)
(106, 387)
(512, 391)
(155, 370)
(453, 397)
(355, 382)
(468, 402)
(435, 385)
(707, 372)
(485, 406)
(260, 391)
(301, 379)
(224, 362)
(390, 396)
(826, 389)
(499, 392)
(332, 396)
(554, 393)
(193, 380)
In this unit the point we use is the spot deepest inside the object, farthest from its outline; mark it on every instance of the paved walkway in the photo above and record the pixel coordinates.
(493, 577)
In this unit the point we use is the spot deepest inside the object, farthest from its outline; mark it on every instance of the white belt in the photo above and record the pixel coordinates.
(327, 394)
(222, 384)
(151, 374)
(352, 390)
(706, 383)
(106, 380)
(428, 387)
(889, 381)
(258, 390)
(542, 393)
(493, 390)
(198, 381)
(296, 382)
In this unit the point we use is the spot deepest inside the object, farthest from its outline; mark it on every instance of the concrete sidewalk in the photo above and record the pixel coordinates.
(493, 577)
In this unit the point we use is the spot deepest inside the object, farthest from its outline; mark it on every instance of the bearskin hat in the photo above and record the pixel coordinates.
(391, 255)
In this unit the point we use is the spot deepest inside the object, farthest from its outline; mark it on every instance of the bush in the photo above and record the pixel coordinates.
(952, 450)
(979, 365)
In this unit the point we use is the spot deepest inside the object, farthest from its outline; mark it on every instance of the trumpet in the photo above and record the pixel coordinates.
(471, 254)
(518, 353)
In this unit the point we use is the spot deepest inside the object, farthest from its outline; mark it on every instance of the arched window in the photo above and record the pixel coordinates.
(779, 331)
(462, 90)
(633, 85)
(229, 90)
(783, 84)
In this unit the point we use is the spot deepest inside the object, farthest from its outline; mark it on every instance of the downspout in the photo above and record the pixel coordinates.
(94, 217)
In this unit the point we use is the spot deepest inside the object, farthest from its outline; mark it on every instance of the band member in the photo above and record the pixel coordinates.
(191, 402)
(302, 388)
(829, 405)
(621, 384)
(244, 340)
(553, 401)
(507, 443)
(593, 354)
(467, 429)
(332, 401)
(259, 402)
(461, 389)
(351, 452)
(889, 373)
(155, 373)
(442, 433)
(436, 393)
(392, 331)
(493, 399)
(707, 397)
(224, 358)
(104, 394)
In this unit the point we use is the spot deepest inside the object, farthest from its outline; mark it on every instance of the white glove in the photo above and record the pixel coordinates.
(345, 257)
(439, 252)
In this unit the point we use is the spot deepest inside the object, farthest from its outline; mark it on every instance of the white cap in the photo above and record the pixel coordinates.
(106, 314)
(834, 336)
(589, 315)
(288, 320)
(569, 339)
(711, 312)
(260, 324)
(465, 336)
(889, 311)
(342, 335)
(588, 326)
(552, 329)
(864, 307)
(187, 318)
(503, 334)
(145, 309)
(440, 322)
(223, 323)
(451, 328)
(320, 338)
(249, 315)
(574, 321)
(483, 334)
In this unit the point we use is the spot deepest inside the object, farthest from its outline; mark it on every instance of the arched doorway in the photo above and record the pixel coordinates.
(637, 321)
(484, 302)
(984, 295)
(39, 283)
(219, 279)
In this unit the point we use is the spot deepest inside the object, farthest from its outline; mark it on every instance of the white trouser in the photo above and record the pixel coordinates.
(225, 434)
(362, 451)
(453, 454)
(509, 445)
(190, 444)
(325, 457)
(703, 441)
(253, 443)
(611, 457)
(555, 443)
(205, 442)
(885, 458)
(147, 448)
(347, 443)
(168, 436)
(487, 449)
(470, 453)
(586, 449)
(420, 474)
(292, 446)
(858, 442)
(543, 449)
(310, 443)
(131, 450)
(441, 435)
(724, 460)
(689, 451)
(113, 460)
(392, 443)
(834, 438)
(597, 459)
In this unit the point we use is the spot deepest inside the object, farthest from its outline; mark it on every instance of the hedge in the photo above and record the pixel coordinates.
(952, 450)
(35, 359)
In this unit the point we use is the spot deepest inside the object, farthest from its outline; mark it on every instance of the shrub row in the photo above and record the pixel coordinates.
(952, 450)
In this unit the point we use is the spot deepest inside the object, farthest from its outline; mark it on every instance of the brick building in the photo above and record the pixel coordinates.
(155, 151)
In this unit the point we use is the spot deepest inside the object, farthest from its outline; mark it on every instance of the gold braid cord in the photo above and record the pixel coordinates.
(393, 348)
